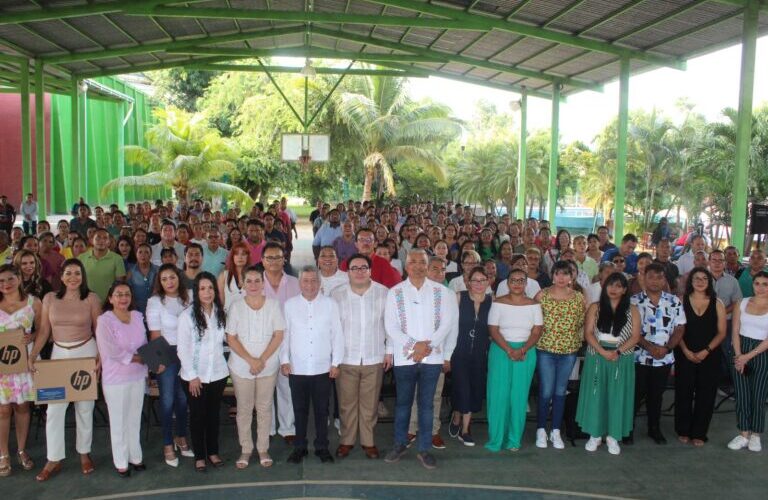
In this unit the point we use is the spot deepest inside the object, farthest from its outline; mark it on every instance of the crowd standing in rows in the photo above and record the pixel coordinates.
(422, 290)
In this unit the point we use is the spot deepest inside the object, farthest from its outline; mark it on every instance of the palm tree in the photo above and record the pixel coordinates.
(184, 154)
(389, 127)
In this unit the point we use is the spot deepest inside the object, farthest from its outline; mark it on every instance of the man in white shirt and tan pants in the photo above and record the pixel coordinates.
(310, 355)
(361, 306)
(418, 320)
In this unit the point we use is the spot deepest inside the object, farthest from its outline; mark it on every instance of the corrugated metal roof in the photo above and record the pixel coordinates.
(483, 44)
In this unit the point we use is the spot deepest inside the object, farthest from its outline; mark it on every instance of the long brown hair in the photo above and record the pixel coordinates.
(35, 285)
(230, 264)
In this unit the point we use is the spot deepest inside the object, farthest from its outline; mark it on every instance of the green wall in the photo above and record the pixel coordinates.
(105, 138)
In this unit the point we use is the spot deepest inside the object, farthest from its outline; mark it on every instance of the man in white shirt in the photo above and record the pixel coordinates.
(168, 240)
(361, 305)
(418, 320)
(28, 212)
(685, 262)
(312, 350)
(331, 277)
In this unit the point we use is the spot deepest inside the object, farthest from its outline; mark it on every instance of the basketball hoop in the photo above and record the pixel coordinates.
(304, 158)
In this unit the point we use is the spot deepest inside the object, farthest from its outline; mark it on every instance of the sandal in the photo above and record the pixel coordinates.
(24, 460)
(698, 443)
(5, 466)
(216, 463)
(683, 439)
(243, 461)
(200, 466)
(265, 460)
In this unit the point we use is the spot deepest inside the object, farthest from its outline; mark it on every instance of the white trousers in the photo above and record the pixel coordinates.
(285, 418)
(57, 412)
(125, 402)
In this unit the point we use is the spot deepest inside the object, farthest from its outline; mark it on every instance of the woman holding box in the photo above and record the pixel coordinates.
(119, 334)
(69, 317)
(18, 310)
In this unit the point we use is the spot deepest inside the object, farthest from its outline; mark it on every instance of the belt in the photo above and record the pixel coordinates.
(69, 348)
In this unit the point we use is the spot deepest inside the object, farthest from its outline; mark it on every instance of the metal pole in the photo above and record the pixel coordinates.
(522, 156)
(72, 196)
(621, 151)
(42, 198)
(306, 104)
(744, 125)
(26, 136)
(554, 156)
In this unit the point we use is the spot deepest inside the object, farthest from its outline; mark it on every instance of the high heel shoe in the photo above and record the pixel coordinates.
(170, 456)
(24, 460)
(48, 472)
(184, 449)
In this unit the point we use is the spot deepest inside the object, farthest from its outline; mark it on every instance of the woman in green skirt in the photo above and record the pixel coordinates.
(607, 391)
(515, 324)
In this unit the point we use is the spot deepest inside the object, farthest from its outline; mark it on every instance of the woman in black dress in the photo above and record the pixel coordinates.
(469, 361)
(697, 358)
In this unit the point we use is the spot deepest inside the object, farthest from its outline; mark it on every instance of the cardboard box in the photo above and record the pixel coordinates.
(65, 380)
(13, 352)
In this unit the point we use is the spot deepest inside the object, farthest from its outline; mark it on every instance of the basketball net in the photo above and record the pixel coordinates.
(305, 158)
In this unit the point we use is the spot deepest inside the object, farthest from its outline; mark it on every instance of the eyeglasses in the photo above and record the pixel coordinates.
(273, 258)
(618, 261)
(518, 281)
(366, 240)
(359, 269)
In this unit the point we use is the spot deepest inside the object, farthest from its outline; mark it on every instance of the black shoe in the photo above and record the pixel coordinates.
(297, 455)
(324, 455)
(454, 429)
(124, 473)
(629, 440)
(139, 467)
(657, 436)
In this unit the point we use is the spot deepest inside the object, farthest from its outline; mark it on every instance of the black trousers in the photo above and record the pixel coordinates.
(650, 383)
(306, 388)
(695, 394)
(204, 413)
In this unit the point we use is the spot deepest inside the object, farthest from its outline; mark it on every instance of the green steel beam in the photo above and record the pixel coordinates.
(487, 23)
(140, 68)
(75, 144)
(554, 157)
(320, 71)
(315, 53)
(744, 125)
(164, 46)
(282, 94)
(459, 59)
(12, 59)
(761, 5)
(42, 197)
(328, 95)
(91, 9)
(26, 137)
(522, 156)
(621, 151)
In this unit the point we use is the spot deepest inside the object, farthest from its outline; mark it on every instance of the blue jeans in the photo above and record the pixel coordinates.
(554, 370)
(406, 379)
(173, 400)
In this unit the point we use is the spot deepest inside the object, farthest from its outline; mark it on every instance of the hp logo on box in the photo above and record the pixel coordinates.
(80, 380)
(9, 355)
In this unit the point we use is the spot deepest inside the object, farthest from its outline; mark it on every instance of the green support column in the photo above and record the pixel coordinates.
(554, 156)
(522, 157)
(42, 197)
(744, 125)
(72, 197)
(621, 151)
(26, 135)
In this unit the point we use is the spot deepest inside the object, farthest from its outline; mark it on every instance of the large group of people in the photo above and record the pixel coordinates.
(428, 291)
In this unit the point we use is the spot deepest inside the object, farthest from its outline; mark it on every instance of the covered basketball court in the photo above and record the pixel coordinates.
(535, 48)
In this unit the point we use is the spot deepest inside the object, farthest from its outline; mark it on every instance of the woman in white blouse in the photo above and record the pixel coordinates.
(255, 329)
(515, 323)
(203, 367)
(163, 310)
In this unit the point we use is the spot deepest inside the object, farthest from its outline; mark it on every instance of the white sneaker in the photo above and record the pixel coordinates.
(613, 446)
(593, 443)
(541, 438)
(557, 441)
(738, 443)
(754, 443)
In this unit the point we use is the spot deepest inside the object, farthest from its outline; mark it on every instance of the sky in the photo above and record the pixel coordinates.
(710, 82)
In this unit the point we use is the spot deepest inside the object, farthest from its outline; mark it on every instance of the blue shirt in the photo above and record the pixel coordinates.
(141, 286)
(326, 235)
(214, 262)
(630, 261)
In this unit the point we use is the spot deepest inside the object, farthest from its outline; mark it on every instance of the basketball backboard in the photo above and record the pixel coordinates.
(317, 146)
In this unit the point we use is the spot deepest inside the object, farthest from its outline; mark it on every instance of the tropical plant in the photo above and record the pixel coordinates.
(184, 154)
(388, 127)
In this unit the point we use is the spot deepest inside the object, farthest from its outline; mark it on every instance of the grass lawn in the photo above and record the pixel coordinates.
(302, 211)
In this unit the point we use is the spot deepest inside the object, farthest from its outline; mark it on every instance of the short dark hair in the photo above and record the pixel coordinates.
(359, 256)
(655, 267)
(273, 244)
(189, 247)
(629, 237)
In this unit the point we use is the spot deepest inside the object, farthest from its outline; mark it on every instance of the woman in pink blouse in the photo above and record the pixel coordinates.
(119, 333)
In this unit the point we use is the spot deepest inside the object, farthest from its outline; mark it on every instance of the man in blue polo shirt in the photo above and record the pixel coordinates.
(626, 250)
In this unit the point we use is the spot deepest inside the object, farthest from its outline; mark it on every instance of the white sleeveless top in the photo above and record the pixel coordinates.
(231, 293)
(753, 326)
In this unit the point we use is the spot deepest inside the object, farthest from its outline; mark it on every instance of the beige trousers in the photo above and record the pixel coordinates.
(358, 389)
(413, 426)
(254, 393)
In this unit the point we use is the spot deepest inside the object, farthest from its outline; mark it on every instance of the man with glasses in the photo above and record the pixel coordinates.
(279, 286)
(418, 320)
(361, 305)
(214, 255)
(626, 250)
(381, 270)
